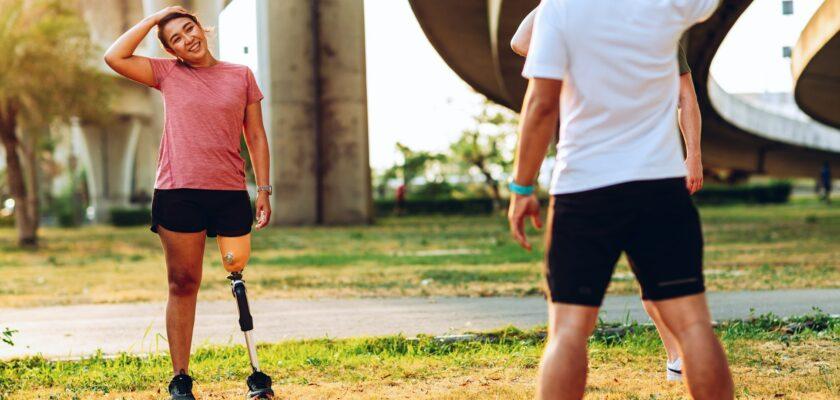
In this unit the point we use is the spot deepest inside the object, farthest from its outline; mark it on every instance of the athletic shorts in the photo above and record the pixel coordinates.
(654, 222)
(219, 212)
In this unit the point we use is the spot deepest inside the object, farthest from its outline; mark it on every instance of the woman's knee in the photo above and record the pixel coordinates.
(184, 283)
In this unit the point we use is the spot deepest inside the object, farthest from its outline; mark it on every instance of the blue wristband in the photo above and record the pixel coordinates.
(521, 190)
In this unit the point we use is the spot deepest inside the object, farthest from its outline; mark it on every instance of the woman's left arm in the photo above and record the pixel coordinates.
(257, 143)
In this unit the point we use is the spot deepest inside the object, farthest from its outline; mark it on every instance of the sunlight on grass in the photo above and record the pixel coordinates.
(747, 248)
(769, 356)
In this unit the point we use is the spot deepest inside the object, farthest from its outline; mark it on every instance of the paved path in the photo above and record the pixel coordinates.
(71, 331)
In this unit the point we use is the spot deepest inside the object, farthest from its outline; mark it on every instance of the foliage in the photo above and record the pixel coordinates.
(6, 336)
(46, 69)
(46, 76)
(487, 149)
(772, 193)
(398, 361)
(415, 163)
(67, 207)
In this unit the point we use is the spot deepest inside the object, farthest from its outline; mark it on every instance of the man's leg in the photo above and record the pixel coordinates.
(583, 244)
(184, 255)
(704, 361)
(672, 348)
(562, 373)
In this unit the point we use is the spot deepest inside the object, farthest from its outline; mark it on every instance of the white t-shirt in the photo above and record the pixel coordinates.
(618, 105)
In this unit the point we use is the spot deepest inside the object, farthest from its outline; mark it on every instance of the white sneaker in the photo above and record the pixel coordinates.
(673, 370)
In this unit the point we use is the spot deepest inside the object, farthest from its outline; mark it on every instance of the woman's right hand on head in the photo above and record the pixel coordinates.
(156, 17)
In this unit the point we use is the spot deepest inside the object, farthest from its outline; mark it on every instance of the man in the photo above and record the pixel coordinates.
(689, 121)
(619, 180)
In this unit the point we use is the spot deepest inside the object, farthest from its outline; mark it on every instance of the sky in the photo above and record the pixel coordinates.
(415, 99)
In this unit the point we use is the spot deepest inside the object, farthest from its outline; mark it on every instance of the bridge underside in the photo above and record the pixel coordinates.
(473, 37)
(816, 65)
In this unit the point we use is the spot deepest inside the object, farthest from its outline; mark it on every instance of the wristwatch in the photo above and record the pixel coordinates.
(266, 188)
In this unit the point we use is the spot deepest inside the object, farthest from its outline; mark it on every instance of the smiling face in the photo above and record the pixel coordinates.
(183, 37)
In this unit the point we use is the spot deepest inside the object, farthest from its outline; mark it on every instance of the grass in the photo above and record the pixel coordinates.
(770, 358)
(747, 248)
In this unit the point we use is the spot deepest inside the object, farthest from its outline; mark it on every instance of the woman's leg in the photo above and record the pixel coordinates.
(184, 255)
(672, 347)
(235, 251)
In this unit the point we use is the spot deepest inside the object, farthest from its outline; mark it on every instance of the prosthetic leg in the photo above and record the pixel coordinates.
(235, 254)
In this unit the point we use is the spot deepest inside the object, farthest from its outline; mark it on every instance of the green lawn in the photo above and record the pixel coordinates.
(747, 248)
(770, 359)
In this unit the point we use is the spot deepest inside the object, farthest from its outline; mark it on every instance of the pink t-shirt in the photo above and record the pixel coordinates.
(204, 111)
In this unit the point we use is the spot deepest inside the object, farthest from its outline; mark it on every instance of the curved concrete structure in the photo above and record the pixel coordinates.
(815, 65)
(473, 37)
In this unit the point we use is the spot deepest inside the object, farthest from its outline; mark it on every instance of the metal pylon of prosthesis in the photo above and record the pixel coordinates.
(246, 322)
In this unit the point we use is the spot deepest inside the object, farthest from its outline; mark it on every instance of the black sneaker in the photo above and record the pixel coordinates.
(259, 386)
(181, 387)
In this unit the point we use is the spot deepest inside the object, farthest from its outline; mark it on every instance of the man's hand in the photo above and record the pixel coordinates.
(263, 210)
(694, 179)
(520, 208)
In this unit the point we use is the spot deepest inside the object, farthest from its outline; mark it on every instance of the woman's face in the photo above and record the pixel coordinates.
(186, 39)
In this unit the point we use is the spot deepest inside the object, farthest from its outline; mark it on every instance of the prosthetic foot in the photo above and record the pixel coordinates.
(235, 254)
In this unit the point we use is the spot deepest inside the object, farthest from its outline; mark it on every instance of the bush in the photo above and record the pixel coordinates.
(67, 212)
(438, 206)
(473, 206)
(770, 193)
(6, 222)
(130, 216)
(434, 190)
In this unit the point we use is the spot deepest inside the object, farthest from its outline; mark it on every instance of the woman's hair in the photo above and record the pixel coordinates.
(169, 17)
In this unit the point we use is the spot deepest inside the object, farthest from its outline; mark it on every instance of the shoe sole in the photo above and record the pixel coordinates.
(261, 394)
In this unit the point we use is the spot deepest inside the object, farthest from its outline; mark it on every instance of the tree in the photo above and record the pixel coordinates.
(415, 162)
(487, 149)
(46, 75)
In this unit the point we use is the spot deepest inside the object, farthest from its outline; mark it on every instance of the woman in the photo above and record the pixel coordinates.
(689, 120)
(200, 184)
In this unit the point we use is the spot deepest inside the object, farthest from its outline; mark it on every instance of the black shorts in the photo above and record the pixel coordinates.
(220, 212)
(654, 222)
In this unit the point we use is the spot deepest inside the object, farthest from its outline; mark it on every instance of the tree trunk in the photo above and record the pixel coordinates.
(30, 169)
(494, 187)
(26, 225)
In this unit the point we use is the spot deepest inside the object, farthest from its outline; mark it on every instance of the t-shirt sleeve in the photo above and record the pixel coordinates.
(253, 90)
(547, 56)
(161, 67)
(696, 11)
(682, 61)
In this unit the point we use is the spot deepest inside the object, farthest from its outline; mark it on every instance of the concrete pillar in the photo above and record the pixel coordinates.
(104, 150)
(313, 54)
(345, 166)
(286, 58)
(145, 165)
(87, 147)
(129, 158)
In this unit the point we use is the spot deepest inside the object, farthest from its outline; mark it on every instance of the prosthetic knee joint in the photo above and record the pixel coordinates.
(235, 254)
